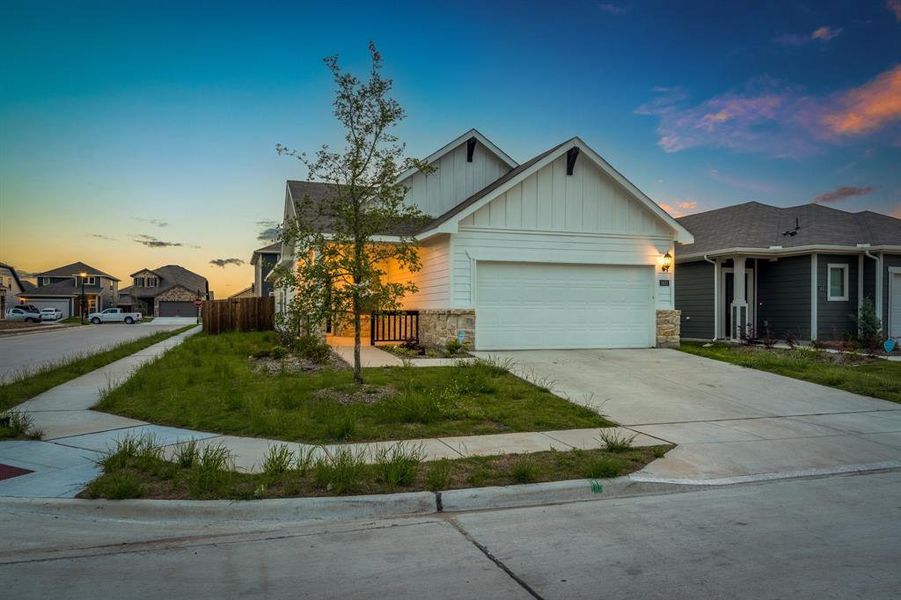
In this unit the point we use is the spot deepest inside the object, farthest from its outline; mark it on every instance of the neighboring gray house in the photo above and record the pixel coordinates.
(803, 270)
(264, 260)
(168, 291)
(10, 287)
(64, 288)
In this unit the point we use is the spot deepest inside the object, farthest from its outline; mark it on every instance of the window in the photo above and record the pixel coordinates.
(45, 281)
(152, 282)
(838, 283)
(139, 282)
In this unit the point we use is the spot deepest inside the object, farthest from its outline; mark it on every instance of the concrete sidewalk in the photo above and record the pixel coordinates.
(75, 437)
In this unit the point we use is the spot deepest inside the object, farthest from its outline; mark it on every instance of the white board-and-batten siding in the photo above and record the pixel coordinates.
(551, 217)
(454, 179)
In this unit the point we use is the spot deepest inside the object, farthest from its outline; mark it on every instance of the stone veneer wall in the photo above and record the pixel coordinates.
(668, 328)
(437, 326)
(176, 294)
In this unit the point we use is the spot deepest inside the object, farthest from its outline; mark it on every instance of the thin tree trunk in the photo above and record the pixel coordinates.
(358, 371)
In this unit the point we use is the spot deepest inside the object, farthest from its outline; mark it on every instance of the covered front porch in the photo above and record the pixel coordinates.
(802, 296)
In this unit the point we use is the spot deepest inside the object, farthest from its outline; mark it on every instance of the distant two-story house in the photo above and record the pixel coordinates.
(263, 261)
(10, 287)
(70, 286)
(168, 291)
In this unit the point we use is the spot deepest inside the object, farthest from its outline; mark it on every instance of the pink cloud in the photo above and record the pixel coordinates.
(822, 34)
(774, 118)
(680, 208)
(868, 107)
(895, 7)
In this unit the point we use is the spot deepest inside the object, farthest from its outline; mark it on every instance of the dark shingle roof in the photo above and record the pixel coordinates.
(317, 211)
(756, 225)
(170, 277)
(60, 288)
(74, 269)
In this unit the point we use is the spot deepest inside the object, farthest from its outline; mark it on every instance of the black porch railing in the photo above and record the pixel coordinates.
(394, 326)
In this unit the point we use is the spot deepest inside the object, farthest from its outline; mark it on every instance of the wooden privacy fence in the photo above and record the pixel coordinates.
(238, 314)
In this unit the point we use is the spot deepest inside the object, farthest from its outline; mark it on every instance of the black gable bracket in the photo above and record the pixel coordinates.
(470, 148)
(571, 155)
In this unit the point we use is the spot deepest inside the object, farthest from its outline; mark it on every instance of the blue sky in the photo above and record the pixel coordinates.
(116, 117)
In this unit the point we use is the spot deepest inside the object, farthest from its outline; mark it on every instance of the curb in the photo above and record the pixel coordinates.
(772, 476)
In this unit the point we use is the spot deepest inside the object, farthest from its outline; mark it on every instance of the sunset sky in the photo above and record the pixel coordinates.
(139, 134)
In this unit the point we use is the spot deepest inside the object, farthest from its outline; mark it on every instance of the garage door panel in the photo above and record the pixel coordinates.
(61, 304)
(177, 309)
(525, 305)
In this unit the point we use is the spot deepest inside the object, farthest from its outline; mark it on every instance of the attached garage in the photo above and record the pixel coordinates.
(63, 304)
(558, 306)
(169, 308)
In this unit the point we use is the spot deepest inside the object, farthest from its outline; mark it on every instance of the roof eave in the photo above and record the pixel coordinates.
(790, 251)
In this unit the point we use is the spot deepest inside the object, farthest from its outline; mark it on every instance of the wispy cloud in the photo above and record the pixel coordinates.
(154, 242)
(679, 208)
(771, 117)
(100, 236)
(868, 107)
(269, 231)
(156, 222)
(614, 9)
(842, 193)
(224, 262)
(895, 7)
(822, 34)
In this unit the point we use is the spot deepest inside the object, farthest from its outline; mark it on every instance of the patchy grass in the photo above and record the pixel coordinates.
(30, 384)
(136, 470)
(209, 383)
(859, 374)
(17, 425)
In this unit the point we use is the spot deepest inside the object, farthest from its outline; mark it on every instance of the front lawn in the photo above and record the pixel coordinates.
(29, 385)
(137, 469)
(859, 374)
(211, 383)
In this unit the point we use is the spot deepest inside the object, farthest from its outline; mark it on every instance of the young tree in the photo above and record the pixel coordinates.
(340, 268)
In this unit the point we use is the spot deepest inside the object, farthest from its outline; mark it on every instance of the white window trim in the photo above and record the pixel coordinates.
(844, 268)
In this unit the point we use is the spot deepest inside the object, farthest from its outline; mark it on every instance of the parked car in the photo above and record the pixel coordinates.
(114, 315)
(51, 314)
(23, 313)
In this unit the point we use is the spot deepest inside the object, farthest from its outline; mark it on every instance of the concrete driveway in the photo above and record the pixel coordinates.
(730, 422)
(28, 352)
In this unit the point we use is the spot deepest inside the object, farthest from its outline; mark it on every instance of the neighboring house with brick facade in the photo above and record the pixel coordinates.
(561, 251)
(66, 286)
(802, 270)
(168, 291)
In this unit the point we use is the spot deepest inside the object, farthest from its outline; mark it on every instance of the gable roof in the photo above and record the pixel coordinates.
(472, 133)
(74, 269)
(274, 248)
(15, 275)
(754, 225)
(447, 222)
(170, 276)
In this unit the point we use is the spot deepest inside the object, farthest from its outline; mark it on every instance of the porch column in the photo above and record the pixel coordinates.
(739, 306)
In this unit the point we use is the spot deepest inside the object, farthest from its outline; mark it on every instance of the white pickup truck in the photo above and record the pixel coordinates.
(114, 315)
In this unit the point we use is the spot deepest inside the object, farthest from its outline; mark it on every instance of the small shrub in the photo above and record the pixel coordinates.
(312, 348)
(278, 460)
(791, 340)
(398, 464)
(306, 458)
(453, 346)
(15, 424)
(116, 486)
(613, 441)
(604, 466)
(659, 452)
(131, 451)
(524, 470)
(439, 475)
(868, 325)
(341, 473)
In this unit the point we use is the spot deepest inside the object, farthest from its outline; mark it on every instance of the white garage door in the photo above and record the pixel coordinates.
(61, 304)
(533, 306)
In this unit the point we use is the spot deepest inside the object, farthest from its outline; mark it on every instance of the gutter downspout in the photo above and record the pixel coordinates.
(716, 300)
(878, 300)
